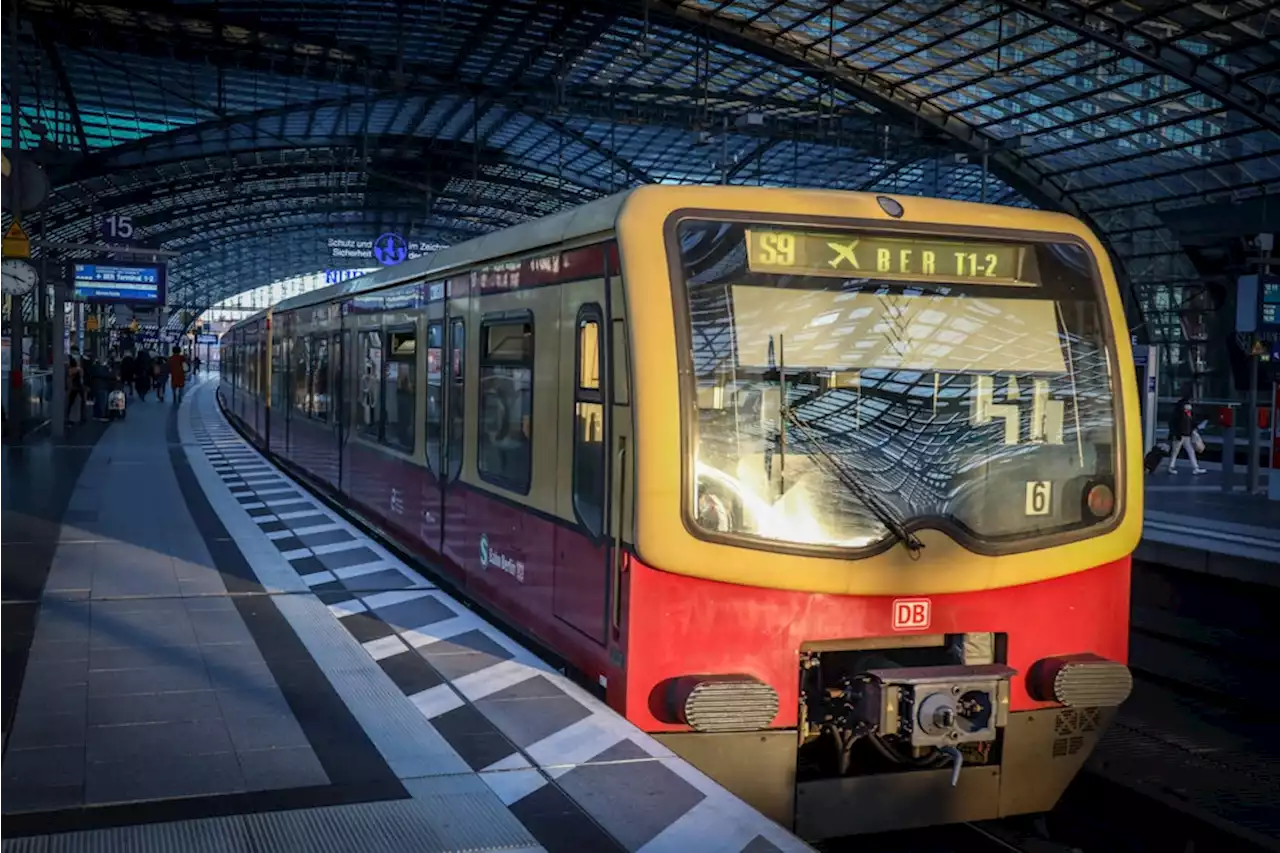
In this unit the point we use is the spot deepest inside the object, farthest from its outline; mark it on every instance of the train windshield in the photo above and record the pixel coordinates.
(847, 387)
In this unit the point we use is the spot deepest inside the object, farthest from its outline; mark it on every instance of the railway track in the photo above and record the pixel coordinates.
(1205, 636)
(1195, 742)
(1014, 836)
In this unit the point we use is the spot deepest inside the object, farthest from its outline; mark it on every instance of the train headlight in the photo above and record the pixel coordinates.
(1081, 681)
(722, 703)
(1100, 500)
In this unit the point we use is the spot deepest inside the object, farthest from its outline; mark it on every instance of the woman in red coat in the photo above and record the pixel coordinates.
(177, 373)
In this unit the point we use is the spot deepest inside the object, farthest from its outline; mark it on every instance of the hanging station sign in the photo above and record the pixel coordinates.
(387, 249)
(119, 282)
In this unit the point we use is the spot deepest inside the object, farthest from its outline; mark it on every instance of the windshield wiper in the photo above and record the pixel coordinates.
(853, 483)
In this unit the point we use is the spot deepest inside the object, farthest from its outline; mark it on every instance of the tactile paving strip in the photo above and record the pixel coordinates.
(574, 772)
(437, 820)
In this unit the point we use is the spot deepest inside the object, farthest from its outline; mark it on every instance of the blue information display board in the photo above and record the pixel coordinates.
(1269, 303)
(120, 282)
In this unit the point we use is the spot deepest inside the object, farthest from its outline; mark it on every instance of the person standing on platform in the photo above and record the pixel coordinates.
(142, 373)
(1182, 433)
(100, 385)
(178, 373)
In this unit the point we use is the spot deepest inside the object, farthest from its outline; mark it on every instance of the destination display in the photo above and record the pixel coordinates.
(917, 258)
(119, 282)
(1268, 303)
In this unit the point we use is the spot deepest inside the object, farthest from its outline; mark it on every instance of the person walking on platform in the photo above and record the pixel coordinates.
(127, 365)
(159, 377)
(1182, 433)
(177, 373)
(142, 373)
(75, 383)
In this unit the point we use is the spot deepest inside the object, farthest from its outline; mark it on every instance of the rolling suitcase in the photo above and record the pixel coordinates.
(116, 405)
(1154, 456)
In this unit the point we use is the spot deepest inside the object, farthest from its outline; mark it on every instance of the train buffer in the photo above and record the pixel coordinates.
(209, 659)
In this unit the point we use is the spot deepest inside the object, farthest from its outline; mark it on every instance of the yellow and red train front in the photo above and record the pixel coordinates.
(885, 500)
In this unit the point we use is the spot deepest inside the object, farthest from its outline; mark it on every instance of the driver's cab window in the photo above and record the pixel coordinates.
(504, 449)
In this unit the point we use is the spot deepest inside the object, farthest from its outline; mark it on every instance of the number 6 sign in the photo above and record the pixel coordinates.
(1039, 497)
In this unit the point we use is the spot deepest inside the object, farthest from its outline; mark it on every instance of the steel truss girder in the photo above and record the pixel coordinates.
(381, 200)
(582, 103)
(316, 219)
(247, 166)
(1018, 172)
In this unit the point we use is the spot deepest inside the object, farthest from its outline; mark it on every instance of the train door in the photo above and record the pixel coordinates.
(581, 586)
(350, 397)
(454, 534)
(264, 376)
(321, 403)
(431, 523)
(620, 511)
(265, 382)
(279, 419)
(337, 407)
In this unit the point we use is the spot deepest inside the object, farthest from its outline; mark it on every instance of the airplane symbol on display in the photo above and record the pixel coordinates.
(844, 252)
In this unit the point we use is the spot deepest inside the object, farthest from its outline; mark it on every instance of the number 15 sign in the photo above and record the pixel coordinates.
(118, 227)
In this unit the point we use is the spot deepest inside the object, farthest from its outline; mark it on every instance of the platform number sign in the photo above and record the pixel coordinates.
(118, 226)
(1039, 497)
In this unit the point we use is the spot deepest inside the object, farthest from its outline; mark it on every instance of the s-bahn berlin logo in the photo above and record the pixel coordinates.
(502, 562)
(390, 249)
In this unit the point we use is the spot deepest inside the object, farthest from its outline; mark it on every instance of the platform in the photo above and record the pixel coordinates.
(218, 662)
(1192, 524)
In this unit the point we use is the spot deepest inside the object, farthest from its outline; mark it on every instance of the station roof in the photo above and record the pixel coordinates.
(248, 134)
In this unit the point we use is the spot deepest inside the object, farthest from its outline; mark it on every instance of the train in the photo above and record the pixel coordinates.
(834, 494)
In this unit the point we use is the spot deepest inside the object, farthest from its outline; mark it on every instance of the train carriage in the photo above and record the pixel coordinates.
(833, 493)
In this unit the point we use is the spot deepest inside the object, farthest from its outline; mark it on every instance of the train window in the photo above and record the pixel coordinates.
(589, 350)
(435, 394)
(504, 452)
(301, 373)
(369, 365)
(320, 377)
(251, 363)
(457, 400)
(401, 343)
(588, 433)
(399, 395)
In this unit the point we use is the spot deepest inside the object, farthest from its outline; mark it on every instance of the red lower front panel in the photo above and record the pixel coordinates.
(685, 626)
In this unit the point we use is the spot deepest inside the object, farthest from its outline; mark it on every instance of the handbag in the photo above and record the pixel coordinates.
(1196, 441)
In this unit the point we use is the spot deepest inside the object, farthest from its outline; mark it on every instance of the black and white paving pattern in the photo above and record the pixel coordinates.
(563, 762)
(368, 704)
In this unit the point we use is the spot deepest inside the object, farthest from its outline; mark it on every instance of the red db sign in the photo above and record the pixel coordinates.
(912, 614)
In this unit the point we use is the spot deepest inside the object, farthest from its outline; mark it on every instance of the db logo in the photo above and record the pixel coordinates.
(912, 614)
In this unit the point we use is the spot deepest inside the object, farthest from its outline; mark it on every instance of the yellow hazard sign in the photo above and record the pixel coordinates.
(16, 242)
(91, 323)
(1259, 348)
